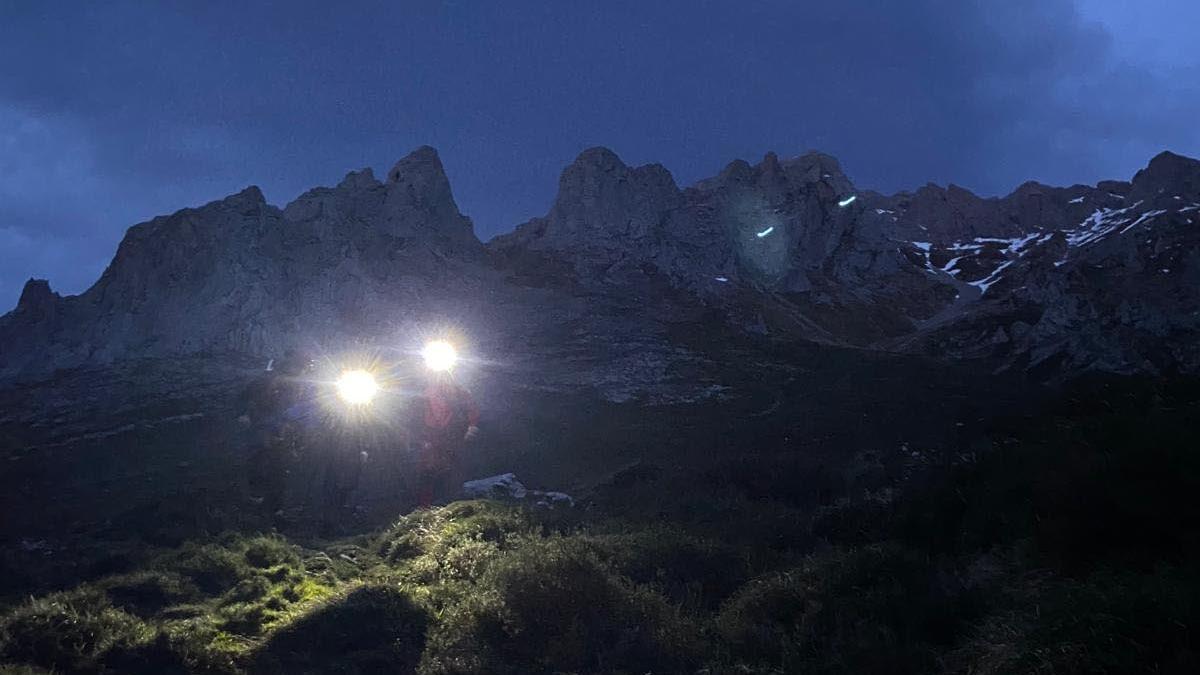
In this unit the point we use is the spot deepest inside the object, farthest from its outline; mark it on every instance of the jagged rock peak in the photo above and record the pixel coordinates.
(359, 180)
(738, 169)
(809, 167)
(601, 203)
(36, 297)
(421, 164)
(812, 159)
(770, 163)
(1116, 187)
(419, 181)
(1168, 173)
(1170, 161)
(599, 159)
(598, 173)
(251, 195)
(1031, 187)
(599, 156)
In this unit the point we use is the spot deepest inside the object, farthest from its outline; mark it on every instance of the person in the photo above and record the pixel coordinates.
(448, 419)
(344, 461)
(276, 409)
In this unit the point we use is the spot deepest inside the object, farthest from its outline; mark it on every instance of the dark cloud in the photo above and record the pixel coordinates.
(113, 112)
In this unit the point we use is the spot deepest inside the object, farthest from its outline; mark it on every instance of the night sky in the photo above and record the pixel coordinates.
(114, 112)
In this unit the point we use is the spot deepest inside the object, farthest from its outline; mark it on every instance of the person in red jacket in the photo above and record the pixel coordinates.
(449, 418)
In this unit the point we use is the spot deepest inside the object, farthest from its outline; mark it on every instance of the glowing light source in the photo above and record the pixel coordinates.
(439, 355)
(765, 232)
(357, 387)
(847, 201)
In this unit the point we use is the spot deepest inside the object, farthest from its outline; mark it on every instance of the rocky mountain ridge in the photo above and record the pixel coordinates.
(1059, 280)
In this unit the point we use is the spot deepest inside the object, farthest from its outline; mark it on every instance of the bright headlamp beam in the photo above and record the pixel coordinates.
(765, 232)
(357, 387)
(847, 201)
(439, 355)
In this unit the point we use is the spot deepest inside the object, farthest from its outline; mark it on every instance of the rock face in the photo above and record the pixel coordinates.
(1093, 279)
(239, 275)
(789, 239)
(1054, 280)
(1057, 280)
(1116, 292)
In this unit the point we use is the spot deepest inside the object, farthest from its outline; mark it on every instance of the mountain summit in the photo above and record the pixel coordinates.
(1058, 280)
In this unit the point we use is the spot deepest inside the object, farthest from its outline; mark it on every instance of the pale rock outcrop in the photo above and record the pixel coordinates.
(1056, 280)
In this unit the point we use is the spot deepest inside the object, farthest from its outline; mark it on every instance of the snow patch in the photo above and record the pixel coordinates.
(1143, 218)
(1016, 245)
(1100, 224)
(984, 284)
(959, 246)
(1077, 200)
(949, 267)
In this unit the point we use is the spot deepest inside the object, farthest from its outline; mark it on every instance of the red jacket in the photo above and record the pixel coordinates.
(449, 408)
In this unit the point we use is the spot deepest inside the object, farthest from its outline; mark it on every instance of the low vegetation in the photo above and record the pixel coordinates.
(1068, 548)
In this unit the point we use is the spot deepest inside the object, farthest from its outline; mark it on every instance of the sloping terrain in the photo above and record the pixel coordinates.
(1066, 280)
(769, 391)
(1054, 543)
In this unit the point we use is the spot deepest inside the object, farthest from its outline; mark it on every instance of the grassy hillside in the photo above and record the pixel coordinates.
(1065, 544)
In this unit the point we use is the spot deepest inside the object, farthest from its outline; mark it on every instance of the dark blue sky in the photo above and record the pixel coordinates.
(113, 112)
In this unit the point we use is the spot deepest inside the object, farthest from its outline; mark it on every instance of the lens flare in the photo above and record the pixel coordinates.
(439, 355)
(357, 387)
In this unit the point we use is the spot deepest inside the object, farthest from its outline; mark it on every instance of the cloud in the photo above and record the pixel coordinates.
(66, 199)
(44, 158)
(1072, 103)
(49, 191)
(125, 110)
(75, 261)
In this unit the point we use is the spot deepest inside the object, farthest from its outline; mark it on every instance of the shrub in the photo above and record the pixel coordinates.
(1116, 489)
(370, 629)
(165, 654)
(248, 590)
(264, 552)
(66, 631)
(1118, 623)
(879, 609)
(213, 569)
(145, 594)
(245, 618)
(554, 606)
(1109, 622)
(430, 530)
(688, 570)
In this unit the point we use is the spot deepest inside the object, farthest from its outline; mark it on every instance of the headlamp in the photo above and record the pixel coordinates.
(357, 387)
(439, 355)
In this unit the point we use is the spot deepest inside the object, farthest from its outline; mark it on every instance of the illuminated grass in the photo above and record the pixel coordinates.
(991, 565)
